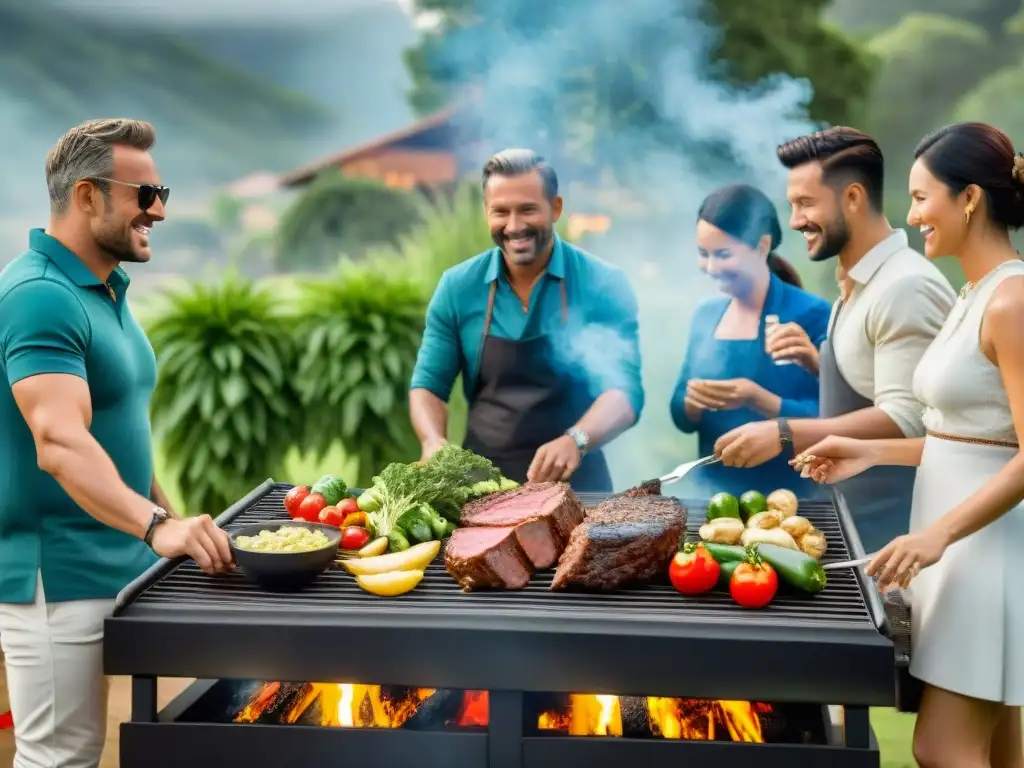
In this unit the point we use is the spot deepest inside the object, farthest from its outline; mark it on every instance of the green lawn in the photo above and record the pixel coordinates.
(893, 731)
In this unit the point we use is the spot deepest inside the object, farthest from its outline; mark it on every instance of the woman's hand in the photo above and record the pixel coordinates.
(904, 557)
(725, 394)
(835, 459)
(790, 342)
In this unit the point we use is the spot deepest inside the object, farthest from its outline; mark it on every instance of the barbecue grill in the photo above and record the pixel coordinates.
(522, 647)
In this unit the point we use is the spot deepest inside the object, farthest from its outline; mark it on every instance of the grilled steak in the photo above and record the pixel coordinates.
(646, 488)
(487, 557)
(543, 515)
(623, 540)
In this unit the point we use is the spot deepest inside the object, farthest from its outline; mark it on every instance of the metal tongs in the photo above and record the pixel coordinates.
(682, 470)
(849, 563)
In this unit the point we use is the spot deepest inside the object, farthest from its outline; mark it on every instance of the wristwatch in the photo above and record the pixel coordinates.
(785, 434)
(159, 516)
(581, 438)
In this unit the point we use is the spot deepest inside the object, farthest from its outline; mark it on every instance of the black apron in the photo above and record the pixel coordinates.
(878, 499)
(522, 400)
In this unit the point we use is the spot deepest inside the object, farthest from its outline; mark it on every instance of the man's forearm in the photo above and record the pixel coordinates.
(866, 424)
(609, 416)
(158, 497)
(85, 471)
(429, 416)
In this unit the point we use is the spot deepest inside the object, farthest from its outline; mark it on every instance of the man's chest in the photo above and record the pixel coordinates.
(120, 363)
(851, 344)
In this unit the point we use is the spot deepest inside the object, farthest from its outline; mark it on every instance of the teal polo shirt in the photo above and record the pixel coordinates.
(600, 343)
(57, 317)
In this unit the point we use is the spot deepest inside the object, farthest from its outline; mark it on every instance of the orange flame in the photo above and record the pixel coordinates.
(668, 718)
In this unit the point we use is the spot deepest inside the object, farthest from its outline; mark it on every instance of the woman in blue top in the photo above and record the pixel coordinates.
(728, 377)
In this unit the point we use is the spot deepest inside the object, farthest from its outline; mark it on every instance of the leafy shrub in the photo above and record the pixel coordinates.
(359, 331)
(341, 214)
(224, 406)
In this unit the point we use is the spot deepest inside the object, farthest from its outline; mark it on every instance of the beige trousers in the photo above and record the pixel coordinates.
(54, 658)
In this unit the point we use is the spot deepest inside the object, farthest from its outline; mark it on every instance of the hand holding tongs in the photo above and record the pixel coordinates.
(680, 472)
(849, 563)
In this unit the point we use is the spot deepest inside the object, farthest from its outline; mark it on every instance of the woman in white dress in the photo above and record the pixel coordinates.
(967, 519)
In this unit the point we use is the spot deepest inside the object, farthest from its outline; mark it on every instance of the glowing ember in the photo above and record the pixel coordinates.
(668, 718)
(350, 705)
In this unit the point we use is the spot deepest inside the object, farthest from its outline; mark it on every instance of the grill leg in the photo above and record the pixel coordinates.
(505, 730)
(143, 699)
(857, 729)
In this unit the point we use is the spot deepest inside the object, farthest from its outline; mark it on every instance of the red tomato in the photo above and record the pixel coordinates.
(693, 571)
(310, 508)
(331, 516)
(355, 538)
(294, 498)
(753, 585)
(348, 506)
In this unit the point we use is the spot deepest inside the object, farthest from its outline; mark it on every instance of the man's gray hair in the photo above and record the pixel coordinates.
(87, 151)
(516, 162)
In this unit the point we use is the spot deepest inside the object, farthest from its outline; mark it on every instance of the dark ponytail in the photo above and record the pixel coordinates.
(783, 270)
(745, 213)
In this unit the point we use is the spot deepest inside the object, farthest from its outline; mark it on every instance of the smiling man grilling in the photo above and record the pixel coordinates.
(544, 335)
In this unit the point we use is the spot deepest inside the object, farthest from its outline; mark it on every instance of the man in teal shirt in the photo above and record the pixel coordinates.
(80, 512)
(544, 336)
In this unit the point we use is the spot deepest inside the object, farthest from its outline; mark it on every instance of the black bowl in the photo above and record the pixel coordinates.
(285, 571)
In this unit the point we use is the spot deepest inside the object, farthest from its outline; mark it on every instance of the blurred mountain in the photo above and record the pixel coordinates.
(351, 61)
(215, 121)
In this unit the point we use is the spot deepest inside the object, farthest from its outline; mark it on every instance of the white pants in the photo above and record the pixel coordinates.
(54, 657)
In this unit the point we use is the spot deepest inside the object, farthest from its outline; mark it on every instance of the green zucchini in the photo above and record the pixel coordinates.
(726, 571)
(794, 568)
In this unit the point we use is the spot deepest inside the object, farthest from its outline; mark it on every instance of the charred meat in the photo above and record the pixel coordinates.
(622, 541)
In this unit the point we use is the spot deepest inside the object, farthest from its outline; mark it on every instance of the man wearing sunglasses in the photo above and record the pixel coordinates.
(81, 514)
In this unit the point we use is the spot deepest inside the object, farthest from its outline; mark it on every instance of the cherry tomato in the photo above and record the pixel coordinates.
(294, 498)
(693, 571)
(753, 584)
(331, 516)
(354, 538)
(348, 506)
(310, 508)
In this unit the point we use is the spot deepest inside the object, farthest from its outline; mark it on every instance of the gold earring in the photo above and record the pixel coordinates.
(967, 215)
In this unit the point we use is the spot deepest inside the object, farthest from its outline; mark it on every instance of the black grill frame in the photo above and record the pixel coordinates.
(572, 642)
(830, 648)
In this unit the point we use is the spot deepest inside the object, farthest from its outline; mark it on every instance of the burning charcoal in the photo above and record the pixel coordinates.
(288, 697)
(635, 717)
(443, 706)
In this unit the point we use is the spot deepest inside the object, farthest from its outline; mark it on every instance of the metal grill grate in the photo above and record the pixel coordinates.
(841, 605)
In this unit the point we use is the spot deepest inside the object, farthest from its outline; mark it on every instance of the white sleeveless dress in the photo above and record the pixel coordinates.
(968, 609)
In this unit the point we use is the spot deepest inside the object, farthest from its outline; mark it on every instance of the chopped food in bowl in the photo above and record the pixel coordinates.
(286, 539)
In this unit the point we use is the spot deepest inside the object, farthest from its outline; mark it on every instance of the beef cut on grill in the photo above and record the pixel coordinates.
(623, 540)
(507, 535)
(543, 515)
(481, 558)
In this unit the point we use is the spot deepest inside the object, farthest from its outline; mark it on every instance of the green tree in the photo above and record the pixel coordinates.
(340, 214)
(359, 331)
(224, 408)
(996, 100)
(871, 16)
(928, 62)
(591, 67)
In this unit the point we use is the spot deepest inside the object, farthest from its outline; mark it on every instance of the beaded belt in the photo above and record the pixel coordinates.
(972, 440)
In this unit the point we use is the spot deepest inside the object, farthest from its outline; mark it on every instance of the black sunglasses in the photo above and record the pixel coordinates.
(148, 193)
